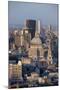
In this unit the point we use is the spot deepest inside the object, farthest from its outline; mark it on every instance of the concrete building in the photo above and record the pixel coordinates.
(15, 70)
(17, 39)
(48, 41)
(49, 57)
(26, 60)
(27, 37)
(12, 46)
(34, 77)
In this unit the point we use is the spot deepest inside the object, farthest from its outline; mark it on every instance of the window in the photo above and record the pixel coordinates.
(45, 54)
(38, 52)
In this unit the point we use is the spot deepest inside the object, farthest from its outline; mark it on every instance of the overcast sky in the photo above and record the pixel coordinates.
(18, 12)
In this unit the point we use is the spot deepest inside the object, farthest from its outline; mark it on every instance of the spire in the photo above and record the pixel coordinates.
(49, 27)
(38, 28)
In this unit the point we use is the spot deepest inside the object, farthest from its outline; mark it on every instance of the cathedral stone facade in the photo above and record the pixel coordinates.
(36, 47)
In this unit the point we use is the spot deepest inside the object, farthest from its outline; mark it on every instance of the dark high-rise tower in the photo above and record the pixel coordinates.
(31, 25)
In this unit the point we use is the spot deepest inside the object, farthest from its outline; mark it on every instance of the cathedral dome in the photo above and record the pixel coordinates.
(36, 40)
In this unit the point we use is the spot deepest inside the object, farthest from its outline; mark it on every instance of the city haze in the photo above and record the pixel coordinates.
(18, 12)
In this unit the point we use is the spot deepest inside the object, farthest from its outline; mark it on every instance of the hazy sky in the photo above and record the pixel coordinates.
(18, 12)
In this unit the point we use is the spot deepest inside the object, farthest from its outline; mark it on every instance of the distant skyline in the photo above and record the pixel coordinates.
(18, 12)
